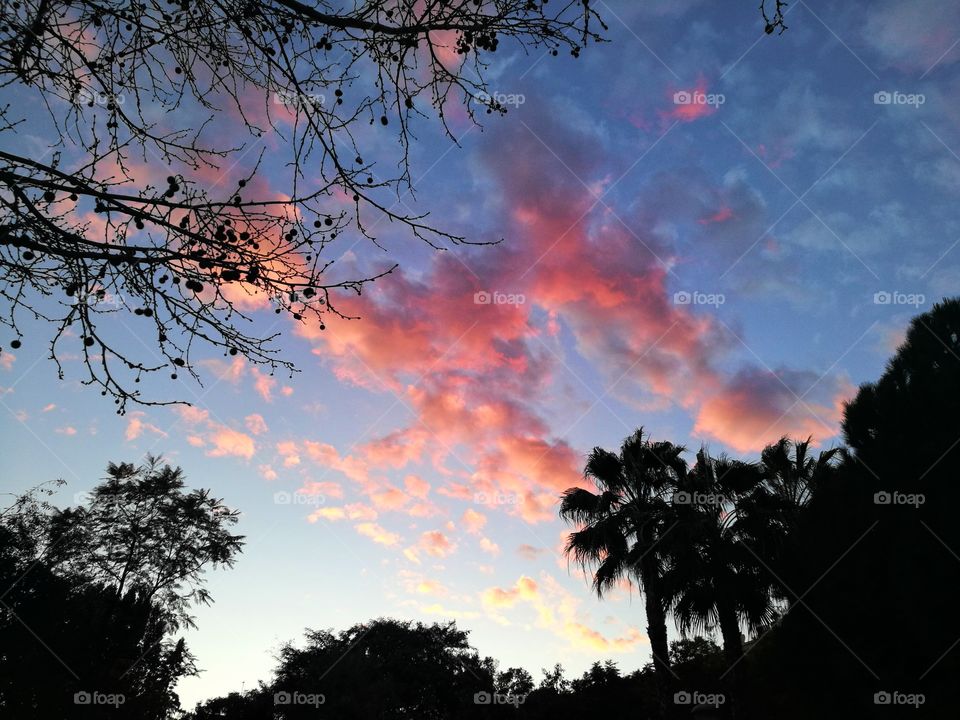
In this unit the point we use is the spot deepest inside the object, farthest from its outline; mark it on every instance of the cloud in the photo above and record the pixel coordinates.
(913, 36)
(524, 588)
(475, 375)
(353, 511)
(489, 546)
(256, 424)
(228, 442)
(473, 521)
(757, 406)
(557, 611)
(264, 384)
(221, 440)
(136, 425)
(436, 544)
(377, 533)
(529, 552)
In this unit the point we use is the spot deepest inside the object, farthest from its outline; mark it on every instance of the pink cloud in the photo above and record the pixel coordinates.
(256, 424)
(689, 104)
(756, 406)
(136, 425)
(222, 440)
(473, 521)
(264, 384)
(529, 552)
(226, 441)
(721, 215)
(436, 544)
(474, 375)
(489, 546)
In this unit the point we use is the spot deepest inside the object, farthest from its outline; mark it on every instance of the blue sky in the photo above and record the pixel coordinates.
(720, 271)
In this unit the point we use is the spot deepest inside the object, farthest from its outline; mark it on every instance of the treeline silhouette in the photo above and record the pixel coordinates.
(828, 578)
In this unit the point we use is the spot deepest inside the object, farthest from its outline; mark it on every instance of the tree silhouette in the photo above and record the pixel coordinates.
(877, 548)
(140, 531)
(82, 236)
(381, 669)
(623, 526)
(90, 598)
(769, 516)
(714, 580)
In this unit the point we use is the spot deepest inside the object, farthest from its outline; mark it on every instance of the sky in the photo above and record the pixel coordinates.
(708, 232)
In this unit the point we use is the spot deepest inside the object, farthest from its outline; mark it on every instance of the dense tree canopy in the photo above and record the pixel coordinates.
(91, 597)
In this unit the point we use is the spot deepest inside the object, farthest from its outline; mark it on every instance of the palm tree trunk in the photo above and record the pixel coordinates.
(732, 651)
(657, 634)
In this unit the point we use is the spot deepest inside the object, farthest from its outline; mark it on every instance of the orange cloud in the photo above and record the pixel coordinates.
(226, 441)
(756, 406)
(378, 534)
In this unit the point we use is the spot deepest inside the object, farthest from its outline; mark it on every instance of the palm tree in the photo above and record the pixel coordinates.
(713, 581)
(768, 517)
(622, 526)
